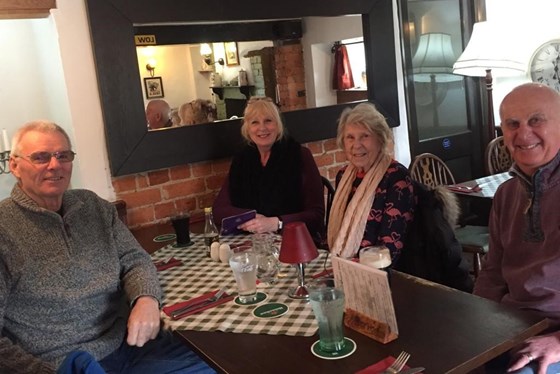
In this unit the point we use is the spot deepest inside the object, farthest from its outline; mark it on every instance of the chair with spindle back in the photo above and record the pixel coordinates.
(497, 156)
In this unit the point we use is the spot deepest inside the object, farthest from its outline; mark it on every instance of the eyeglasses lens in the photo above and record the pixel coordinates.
(45, 157)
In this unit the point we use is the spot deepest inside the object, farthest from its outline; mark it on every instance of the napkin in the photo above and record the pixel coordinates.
(224, 299)
(161, 265)
(463, 189)
(379, 366)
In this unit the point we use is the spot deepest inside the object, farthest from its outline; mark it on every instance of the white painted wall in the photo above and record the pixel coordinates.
(536, 21)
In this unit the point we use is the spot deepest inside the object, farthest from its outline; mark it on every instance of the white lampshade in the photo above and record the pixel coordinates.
(492, 47)
(205, 49)
(434, 56)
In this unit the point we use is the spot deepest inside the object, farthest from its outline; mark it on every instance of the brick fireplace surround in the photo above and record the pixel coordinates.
(154, 196)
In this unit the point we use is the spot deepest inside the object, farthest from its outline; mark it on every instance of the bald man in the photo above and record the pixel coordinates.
(522, 267)
(157, 114)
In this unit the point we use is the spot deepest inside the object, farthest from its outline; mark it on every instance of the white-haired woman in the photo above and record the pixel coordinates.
(273, 174)
(374, 199)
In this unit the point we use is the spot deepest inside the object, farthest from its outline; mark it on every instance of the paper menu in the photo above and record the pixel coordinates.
(367, 292)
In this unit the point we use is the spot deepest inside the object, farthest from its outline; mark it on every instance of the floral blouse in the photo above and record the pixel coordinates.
(392, 209)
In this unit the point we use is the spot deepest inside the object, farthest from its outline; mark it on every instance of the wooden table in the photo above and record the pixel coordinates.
(476, 206)
(445, 331)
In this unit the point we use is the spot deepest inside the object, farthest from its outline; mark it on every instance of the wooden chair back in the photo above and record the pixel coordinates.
(329, 196)
(497, 157)
(431, 171)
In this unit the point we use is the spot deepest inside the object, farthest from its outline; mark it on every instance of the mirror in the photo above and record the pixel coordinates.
(272, 58)
(132, 148)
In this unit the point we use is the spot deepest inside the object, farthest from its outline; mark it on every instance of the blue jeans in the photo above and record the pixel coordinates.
(163, 355)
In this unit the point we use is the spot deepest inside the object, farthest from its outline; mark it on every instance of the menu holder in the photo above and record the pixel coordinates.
(368, 306)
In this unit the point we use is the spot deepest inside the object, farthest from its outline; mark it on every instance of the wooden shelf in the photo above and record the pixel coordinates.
(11, 9)
(219, 90)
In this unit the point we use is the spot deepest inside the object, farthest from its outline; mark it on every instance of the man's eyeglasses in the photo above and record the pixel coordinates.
(45, 157)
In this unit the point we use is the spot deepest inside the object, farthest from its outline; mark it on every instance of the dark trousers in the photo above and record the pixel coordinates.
(163, 355)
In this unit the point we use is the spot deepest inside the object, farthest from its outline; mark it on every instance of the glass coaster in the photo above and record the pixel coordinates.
(183, 245)
(261, 296)
(270, 310)
(349, 348)
(164, 238)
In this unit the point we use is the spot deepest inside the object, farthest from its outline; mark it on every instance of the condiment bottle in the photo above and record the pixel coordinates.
(211, 233)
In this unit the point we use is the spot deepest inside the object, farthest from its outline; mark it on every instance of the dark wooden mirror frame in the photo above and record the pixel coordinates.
(132, 148)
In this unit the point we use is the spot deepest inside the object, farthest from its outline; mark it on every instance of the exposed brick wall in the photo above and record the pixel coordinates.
(154, 196)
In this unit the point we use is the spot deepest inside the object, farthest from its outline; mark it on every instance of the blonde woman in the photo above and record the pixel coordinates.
(374, 199)
(272, 174)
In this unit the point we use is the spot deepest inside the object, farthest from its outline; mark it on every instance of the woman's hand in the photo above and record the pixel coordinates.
(260, 224)
(544, 349)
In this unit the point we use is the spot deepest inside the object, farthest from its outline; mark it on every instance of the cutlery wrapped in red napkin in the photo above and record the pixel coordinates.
(168, 310)
(166, 264)
(463, 189)
(379, 366)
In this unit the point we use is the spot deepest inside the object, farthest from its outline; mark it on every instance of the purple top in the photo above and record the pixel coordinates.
(522, 265)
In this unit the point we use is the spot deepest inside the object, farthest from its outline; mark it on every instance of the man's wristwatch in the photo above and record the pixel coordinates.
(280, 224)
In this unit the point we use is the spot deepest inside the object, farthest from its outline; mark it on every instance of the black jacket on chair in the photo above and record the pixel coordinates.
(431, 250)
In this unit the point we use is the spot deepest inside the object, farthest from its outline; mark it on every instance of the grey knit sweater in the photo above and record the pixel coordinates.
(66, 283)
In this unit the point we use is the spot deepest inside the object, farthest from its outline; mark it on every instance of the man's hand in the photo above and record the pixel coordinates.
(544, 349)
(143, 322)
(260, 224)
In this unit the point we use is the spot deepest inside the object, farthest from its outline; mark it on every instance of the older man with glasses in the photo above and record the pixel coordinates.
(72, 277)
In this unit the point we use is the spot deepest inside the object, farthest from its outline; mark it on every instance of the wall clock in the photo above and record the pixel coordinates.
(545, 64)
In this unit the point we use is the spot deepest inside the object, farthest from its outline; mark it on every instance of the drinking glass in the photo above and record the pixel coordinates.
(244, 267)
(327, 302)
(181, 225)
(267, 257)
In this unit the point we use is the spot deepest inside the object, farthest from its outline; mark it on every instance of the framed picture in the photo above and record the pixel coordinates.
(232, 57)
(154, 87)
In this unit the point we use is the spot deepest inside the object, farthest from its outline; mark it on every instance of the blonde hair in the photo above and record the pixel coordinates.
(39, 126)
(367, 115)
(197, 111)
(258, 106)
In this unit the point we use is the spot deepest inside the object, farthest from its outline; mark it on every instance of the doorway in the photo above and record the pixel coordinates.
(444, 119)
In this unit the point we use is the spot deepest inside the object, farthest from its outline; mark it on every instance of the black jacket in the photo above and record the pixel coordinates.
(431, 250)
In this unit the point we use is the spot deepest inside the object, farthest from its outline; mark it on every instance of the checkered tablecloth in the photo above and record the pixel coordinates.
(490, 184)
(199, 274)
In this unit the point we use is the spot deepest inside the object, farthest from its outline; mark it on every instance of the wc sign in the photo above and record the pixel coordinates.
(144, 39)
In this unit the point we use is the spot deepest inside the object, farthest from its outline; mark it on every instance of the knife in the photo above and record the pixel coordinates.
(412, 370)
(198, 304)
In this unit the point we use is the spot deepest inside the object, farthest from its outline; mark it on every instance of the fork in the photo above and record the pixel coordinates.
(398, 364)
(210, 300)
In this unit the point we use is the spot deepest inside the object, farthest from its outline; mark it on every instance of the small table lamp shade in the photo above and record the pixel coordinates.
(297, 245)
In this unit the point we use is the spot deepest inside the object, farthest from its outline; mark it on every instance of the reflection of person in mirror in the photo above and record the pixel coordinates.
(523, 261)
(272, 174)
(75, 285)
(158, 114)
(197, 111)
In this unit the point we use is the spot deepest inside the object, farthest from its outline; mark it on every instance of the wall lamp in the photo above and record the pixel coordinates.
(208, 61)
(151, 66)
(206, 53)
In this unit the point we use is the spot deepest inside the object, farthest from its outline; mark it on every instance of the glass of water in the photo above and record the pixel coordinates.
(327, 302)
(244, 267)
